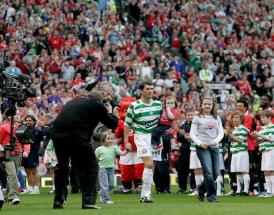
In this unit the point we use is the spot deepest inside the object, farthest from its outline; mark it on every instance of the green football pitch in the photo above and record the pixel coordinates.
(167, 204)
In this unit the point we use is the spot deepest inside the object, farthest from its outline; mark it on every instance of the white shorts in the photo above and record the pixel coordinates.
(267, 160)
(47, 159)
(222, 165)
(240, 162)
(143, 144)
(194, 162)
(130, 158)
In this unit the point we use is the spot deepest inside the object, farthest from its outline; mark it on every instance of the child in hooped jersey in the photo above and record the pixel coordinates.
(105, 155)
(240, 158)
(266, 139)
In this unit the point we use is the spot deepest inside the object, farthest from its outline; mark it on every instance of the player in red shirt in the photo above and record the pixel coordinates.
(253, 148)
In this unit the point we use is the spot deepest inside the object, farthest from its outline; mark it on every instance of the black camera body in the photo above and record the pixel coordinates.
(17, 89)
(24, 135)
(6, 152)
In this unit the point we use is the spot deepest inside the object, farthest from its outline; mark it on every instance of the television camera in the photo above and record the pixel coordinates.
(14, 91)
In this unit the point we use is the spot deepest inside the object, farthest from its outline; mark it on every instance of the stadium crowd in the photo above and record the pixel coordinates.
(188, 50)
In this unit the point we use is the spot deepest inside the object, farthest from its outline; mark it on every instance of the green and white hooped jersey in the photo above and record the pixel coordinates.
(268, 132)
(192, 147)
(141, 117)
(241, 133)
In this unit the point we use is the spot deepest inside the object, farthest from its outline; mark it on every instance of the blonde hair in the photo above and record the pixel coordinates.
(237, 113)
(266, 113)
(213, 112)
(104, 136)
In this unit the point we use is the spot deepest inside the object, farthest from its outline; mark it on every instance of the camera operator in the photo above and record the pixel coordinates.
(11, 165)
(31, 160)
(71, 135)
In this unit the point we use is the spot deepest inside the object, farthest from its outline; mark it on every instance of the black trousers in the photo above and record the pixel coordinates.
(182, 168)
(79, 151)
(74, 182)
(256, 175)
(161, 176)
(157, 133)
(3, 176)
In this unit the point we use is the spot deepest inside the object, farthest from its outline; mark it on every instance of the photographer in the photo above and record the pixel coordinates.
(10, 165)
(31, 159)
(71, 135)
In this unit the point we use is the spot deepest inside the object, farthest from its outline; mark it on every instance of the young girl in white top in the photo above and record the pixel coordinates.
(206, 132)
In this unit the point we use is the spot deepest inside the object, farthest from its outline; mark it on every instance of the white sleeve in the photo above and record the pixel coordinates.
(194, 130)
(220, 131)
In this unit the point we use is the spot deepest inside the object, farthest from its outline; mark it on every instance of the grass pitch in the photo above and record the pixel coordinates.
(128, 204)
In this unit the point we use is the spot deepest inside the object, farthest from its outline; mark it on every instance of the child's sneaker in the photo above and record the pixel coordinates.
(194, 192)
(109, 202)
(35, 191)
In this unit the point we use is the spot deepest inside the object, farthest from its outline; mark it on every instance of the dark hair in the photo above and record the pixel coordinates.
(244, 102)
(213, 112)
(268, 96)
(32, 117)
(142, 85)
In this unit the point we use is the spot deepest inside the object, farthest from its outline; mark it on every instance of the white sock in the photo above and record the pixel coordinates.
(272, 184)
(36, 187)
(219, 182)
(30, 188)
(246, 178)
(239, 182)
(199, 179)
(268, 184)
(147, 182)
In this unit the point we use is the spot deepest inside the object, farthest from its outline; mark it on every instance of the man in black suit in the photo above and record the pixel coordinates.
(71, 135)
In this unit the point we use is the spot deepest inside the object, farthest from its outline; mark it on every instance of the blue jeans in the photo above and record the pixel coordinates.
(106, 181)
(210, 162)
(22, 180)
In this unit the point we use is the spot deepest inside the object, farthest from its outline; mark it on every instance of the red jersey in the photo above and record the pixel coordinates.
(119, 133)
(56, 42)
(248, 123)
(5, 138)
(164, 120)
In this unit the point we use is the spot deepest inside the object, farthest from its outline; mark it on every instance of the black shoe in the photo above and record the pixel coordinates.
(146, 200)
(200, 194)
(234, 193)
(74, 191)
(168, 191)
(181, 191)
(243, 194)
(87, 206)
(58, 205)
(213, 201)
